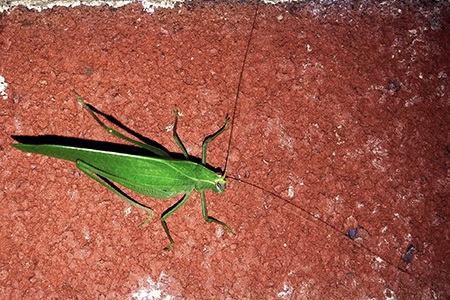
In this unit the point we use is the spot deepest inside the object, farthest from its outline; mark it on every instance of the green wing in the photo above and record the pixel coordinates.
(154, 177)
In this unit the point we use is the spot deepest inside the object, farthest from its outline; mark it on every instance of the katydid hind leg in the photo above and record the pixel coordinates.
(211, 219)
(155, 150)
(168, 213)
(93, 173)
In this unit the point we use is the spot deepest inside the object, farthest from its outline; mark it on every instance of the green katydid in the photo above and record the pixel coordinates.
(158, 176)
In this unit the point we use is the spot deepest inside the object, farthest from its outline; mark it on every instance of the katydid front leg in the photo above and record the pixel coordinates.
(211, 138)
(207, 140)
(180, 203)
(211, 219)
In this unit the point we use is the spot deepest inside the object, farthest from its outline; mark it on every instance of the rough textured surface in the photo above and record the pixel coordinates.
(342, 117)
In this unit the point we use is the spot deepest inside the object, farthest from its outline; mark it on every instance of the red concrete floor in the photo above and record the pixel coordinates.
(341, 122)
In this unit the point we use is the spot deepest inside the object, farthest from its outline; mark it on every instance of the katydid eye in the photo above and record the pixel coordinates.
(219, 186)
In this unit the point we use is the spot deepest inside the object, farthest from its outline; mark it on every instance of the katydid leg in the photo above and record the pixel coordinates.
(168, 213)
(154, 150)
(176, 137)
(93, 173)
(211, 219)
(210, 138)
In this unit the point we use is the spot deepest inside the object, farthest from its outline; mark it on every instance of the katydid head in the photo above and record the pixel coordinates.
(220, 184)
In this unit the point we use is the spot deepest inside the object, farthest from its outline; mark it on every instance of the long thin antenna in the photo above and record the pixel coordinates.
(239, 87)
